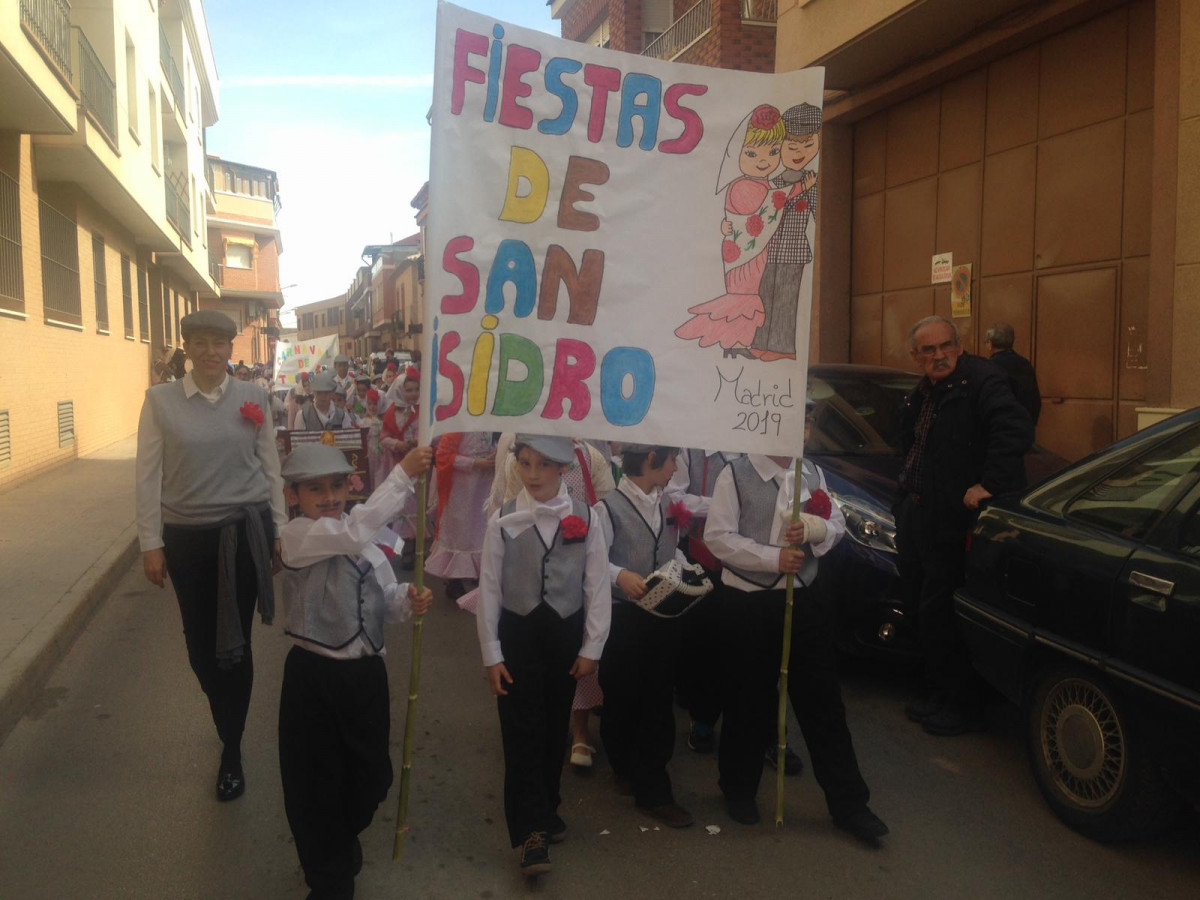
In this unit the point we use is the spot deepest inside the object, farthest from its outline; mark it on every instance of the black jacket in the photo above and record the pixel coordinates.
(1022, 380)
(979, 435)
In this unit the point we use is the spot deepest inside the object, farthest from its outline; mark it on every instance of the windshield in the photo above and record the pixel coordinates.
(858, 413)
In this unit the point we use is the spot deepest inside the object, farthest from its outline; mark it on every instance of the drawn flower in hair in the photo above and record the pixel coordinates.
(764, 117)
(252, 412)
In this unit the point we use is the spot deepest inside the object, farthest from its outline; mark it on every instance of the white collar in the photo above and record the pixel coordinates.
(766, 467)
(526, 511)
(645, 502)
(190, 388)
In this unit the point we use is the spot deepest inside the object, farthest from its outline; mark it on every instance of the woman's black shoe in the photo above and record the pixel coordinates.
(231, 783)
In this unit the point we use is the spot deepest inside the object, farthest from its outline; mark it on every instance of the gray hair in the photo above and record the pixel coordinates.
(1001, 336)
(932, 320)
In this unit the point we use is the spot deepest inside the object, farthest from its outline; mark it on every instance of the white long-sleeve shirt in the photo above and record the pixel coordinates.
(597, 595)
(149, 469)
(306, 541)
(647, 506)
(736, 549)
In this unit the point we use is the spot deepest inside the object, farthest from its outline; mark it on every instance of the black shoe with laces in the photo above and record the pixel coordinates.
(863, 824)
(231, 782)
(535, 855)
(792, 764)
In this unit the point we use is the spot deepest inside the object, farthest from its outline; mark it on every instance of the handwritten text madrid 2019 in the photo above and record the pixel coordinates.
(627, 375)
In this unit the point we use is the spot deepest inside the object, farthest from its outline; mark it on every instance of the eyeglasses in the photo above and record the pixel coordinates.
(931, 349)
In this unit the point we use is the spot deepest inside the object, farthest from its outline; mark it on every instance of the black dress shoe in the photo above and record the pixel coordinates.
(792, 764)
(743, 811)
(231, 783)
(863, 824)
(535, 855)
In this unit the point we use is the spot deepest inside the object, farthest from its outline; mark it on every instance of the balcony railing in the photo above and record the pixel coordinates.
(169, 67)
(48, 23)
(761, 11)
(216, 271)
(97, 91)
(179, 211)
(684, 31)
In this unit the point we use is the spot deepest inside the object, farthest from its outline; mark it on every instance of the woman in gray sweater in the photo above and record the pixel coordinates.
(210, 504)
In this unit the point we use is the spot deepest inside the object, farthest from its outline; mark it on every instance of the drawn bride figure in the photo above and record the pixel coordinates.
(754, 210)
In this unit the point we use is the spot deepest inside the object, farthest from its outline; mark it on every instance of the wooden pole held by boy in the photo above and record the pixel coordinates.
(414, 680)
(781, 720)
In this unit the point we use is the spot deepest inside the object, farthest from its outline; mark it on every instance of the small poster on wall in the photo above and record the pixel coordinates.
(960, 292)
(943, 264)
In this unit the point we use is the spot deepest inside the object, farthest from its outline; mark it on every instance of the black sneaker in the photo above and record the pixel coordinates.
(701, 738)
(742, 811)
(535, 855)
(558, 830)
(792, 764)
(231, 782)
(863, 824)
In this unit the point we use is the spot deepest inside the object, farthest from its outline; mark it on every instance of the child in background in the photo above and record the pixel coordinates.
(544, 610)
(334, 721)
(465, 461)
(398, 435)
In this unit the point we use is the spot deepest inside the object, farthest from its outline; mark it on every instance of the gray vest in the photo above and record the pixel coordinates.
(533, 573)
(756, 505)
(337, 418)
(210, 464)
(635, 545)
(701, 482)
(332, 602)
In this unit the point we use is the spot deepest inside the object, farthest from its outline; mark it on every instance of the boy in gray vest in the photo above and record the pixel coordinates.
(637, 671)
(542, 620)
(749, 529)
(340, 591)
(322, 413)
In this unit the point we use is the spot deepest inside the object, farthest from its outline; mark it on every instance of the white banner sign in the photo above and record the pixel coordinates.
(618, 247)
(303, 356)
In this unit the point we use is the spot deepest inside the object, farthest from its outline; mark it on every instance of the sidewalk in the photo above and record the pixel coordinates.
(67, 537)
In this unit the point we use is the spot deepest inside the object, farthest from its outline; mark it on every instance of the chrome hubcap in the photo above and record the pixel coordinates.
(1082, 742)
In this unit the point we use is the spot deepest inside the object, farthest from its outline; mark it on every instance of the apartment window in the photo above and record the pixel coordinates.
(334, 316)
(155, 137)
(60, 266)
(127, 296)
(239, 256)
(143, 289)
(100, 280)
(131, 92)
(12, 283)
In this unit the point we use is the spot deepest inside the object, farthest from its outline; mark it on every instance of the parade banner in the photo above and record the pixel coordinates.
(303, 356)
(618, 247)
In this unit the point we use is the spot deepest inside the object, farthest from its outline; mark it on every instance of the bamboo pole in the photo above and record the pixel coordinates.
(781, 718)
(414, 681)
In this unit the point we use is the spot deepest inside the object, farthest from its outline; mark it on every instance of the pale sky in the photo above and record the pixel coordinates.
(333, 97)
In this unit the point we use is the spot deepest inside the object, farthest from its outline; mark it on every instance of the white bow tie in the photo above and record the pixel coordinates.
(557, 508)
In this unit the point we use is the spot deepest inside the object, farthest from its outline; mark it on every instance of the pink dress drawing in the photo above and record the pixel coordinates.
(732, 318)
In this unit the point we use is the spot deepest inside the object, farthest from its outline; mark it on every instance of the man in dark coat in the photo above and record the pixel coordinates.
(1021, 377)
(964, 438)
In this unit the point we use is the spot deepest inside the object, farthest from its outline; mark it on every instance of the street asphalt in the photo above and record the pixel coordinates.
(106, 790)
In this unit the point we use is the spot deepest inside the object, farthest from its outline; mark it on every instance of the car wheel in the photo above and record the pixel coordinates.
(1088, 764)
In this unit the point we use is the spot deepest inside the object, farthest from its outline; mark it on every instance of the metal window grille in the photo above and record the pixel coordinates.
(100, 276)
(12, 282)
(49, 22)
(5, 440)
(143, 306)
(66, 422)
(127, 295)
(60, 266)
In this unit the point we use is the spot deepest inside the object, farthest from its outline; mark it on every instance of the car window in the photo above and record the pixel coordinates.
(1133, 497)
(858, 413)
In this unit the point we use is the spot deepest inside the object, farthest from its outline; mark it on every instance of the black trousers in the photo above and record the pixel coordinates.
(698, 680)
(637, 675)
(192, 564)
(535, 716)
(931, 570)
(754, 635)
(333, 759)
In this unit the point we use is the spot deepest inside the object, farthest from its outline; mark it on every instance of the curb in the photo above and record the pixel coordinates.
(26, 669)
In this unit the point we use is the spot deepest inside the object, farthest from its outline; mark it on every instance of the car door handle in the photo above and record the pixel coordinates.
(1160, 589)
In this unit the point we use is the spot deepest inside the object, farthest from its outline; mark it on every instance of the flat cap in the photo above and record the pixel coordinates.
(637, 448)
(555, 449)
(207, 320)
(341, 359)
(322, 381)
(309, 461)
(803, 118)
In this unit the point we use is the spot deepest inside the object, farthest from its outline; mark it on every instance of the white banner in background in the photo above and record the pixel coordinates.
(618, 247)
(303, 356)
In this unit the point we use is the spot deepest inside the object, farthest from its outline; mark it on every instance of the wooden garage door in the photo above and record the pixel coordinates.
(1036, 170)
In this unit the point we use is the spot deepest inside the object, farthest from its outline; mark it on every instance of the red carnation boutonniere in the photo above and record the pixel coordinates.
(679, 515)
(252, 412)
(574, 529)
(819, 504)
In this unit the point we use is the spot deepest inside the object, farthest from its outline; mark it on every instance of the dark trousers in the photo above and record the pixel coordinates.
(192, 564)
(931, 570)
(637, 675)
(754, 635)
(539, 650)
(698, 679)
(333, 760)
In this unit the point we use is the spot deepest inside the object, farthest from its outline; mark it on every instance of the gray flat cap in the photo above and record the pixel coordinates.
(637, 448)
(322, 381)
(309, 461)
(555, 449)
(341, 359)
(207, 320)
(803, 118)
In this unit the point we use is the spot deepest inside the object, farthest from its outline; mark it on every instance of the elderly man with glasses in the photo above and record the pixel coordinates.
(964, 437)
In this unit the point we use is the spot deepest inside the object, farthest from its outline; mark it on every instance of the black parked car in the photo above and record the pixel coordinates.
(1082, 605)
(856, 440)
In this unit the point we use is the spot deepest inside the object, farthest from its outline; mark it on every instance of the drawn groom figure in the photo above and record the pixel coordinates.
(789, 251)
